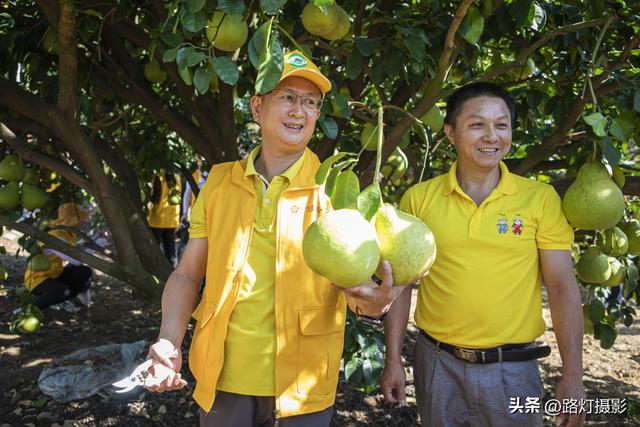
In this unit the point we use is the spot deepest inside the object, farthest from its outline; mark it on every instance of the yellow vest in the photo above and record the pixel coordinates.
(162, 214)
(310, 313)
(34, 278)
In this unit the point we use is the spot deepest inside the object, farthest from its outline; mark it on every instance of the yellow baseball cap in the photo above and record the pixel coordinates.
(70, 214)
(297, 64)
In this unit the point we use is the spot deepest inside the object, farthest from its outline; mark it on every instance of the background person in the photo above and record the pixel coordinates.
(66, 278)
(164, 212)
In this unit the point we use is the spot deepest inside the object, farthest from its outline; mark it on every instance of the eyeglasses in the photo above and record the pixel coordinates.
(288, 99)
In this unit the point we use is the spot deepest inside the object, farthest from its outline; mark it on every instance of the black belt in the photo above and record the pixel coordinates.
(505, 353)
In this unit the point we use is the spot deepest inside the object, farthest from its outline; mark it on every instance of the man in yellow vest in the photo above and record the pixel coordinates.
(499, 237)
(269, 334)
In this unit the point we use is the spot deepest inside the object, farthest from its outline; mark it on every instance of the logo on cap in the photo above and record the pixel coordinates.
(297, 60)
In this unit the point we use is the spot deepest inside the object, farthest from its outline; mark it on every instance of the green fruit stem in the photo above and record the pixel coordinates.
(376, 177)
(287, 35)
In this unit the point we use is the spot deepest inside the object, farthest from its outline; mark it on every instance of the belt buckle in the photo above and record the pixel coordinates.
(466, 355)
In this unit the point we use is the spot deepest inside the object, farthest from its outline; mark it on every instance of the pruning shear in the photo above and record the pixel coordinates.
(136, 378)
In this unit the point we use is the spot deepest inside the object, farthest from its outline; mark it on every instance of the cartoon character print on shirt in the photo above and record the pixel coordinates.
(503, 225)
(517, 226)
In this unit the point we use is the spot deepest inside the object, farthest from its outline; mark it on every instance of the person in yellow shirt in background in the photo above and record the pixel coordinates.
(268, 340)
(499, 237)
(61, 282)
(164, 212)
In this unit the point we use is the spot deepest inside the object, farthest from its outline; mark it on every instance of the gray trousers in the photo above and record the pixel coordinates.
(452, 392)
(239, 410)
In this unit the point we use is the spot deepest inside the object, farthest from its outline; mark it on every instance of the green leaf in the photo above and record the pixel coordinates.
(472, 25)
(329, 127)
(323, 2)
(202, 79)
(258, 44)
(232, 7)
(172, 39)
(367, 371)
(636, 101)
(416, 47)
(194, 21)
(610, 152)
(226, 69)
(377, 71)
(271, 7)
(621, 129)
(331, 179)
(345, 193)
(366, 45)
(607, 335)
(369, 201)
(185, 73)
(539, 19)
(340, 105)
(188, 57)
(355, 62)
(6, 23)
(596, 311)
(323, 170)
(194, 5)
(169, 55)
(350, 367)
(271, 66)
(598, 123)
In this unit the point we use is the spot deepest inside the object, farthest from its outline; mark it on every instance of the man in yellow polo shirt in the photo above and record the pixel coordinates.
(268, 340)
(499, 237)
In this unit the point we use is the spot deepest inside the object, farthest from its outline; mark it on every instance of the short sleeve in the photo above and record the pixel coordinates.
(554, 232)
(406, 203)
(198, 219)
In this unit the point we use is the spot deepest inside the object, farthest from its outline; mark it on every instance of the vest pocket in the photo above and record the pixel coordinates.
(319, 349)
(200, 343)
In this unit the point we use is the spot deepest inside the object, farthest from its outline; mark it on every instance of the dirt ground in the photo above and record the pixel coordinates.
(117, 316)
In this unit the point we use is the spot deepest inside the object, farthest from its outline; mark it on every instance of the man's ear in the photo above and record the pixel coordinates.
(256, 103)
(448, 131)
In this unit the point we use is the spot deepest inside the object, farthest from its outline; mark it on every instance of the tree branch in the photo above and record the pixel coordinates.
(68, 58)
(547, 147)
(25, 152)
(50, 9)
(431, 93)
(59, 245)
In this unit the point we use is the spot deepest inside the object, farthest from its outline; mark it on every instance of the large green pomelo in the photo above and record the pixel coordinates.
(10, 195)
(39, 262)
(227, 32)
(593, 201)
(154, 73)
(341, 246)
(369, 137)
(613, 242)
(632, 230)
(11, 168)
(406, 242)
(316, 22)
(593, 266)
(617, 273)
(341, 23)
(32, 197)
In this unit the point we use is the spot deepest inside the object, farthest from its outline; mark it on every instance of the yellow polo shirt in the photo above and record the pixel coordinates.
(484, 288)
(249, 352)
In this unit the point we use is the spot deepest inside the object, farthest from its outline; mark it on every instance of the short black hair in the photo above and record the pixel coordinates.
(475, 90)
